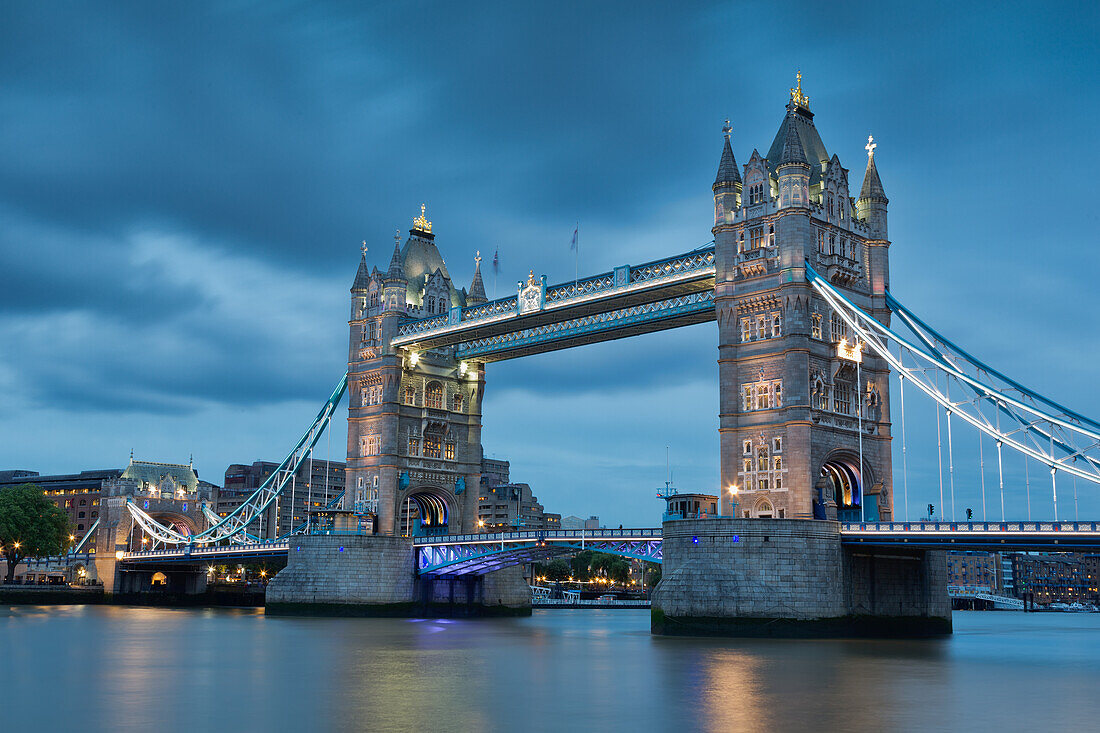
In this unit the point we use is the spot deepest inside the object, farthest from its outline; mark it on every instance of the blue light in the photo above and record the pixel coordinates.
(341, 549)
(736, 538)
(298, 549)
(694, 540)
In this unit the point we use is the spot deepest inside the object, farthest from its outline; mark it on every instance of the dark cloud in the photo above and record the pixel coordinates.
(183, 188)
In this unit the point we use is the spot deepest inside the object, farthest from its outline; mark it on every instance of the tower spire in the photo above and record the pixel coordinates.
(362, 275)
(396, 270)
(798, 99)
(872, 185)
(477, 287)
(727, 166)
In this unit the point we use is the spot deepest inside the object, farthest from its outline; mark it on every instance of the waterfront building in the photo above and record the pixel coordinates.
(316, 485)
(1049, 578)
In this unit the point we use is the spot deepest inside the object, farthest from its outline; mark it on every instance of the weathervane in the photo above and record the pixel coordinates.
(797, 97)
(363, 248)
(477, 258)
(727, 129)
(421, 222)
(870, 146)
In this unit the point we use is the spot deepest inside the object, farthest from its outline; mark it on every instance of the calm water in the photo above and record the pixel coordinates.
(99, 668)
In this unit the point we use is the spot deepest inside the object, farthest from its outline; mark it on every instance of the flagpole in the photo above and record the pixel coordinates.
(576, 258)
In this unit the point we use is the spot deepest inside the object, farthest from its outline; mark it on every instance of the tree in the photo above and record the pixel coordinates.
(30, 525)
(653, 575)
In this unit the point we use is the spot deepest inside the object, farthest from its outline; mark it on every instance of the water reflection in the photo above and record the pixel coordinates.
(115, 668)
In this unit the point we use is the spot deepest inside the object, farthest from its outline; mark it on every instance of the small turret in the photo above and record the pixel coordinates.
(362, 276)
(872, 200)
(727, 184)
(394, 284)
(477, 288)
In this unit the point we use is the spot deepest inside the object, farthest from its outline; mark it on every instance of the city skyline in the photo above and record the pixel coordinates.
(185, 209)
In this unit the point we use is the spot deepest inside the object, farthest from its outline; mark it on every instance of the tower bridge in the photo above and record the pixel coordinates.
(797, 281)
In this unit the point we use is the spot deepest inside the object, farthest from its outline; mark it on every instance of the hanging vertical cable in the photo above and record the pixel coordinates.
(904, 464)
(981, 466)
(950, 449)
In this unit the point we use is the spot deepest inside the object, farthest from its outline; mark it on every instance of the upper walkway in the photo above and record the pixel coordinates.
(629, 300)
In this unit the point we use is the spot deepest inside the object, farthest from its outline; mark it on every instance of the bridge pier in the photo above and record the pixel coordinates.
(794, 578)
(375, 575)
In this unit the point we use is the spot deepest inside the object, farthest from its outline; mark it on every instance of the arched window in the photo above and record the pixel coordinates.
(431, 305)
(434, 396)
(764, 510)
(410, 396)
(771, 235)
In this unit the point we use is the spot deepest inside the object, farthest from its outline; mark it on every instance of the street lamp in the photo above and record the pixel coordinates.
(733, 500)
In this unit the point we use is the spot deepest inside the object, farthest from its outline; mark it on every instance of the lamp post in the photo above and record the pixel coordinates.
(733, 500)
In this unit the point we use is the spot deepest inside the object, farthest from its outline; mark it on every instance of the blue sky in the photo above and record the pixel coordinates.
(183, 191)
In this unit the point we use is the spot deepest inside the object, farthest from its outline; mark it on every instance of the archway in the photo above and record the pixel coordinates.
(160, 579)
(424, 511)
(845, 481)
(764, 510)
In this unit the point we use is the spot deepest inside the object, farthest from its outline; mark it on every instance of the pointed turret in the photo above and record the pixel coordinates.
(792, 149)
(727, 167)
(727, 184)
(396, 270)
(872, 200)
(477, 288)
(394, 284)
(362, 276)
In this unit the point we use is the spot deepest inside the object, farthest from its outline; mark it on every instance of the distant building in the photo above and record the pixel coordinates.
(79, 494)
(978, 570)
(1049, 578)
(573, 522)
(309, 491)
(503, 505)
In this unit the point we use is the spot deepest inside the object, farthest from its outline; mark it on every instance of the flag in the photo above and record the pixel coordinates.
(573, 245)
(496, 262)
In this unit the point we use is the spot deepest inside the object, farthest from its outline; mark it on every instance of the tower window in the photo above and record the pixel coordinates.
(746, 394)
(771, 235)
(414, 445)
(434, 396)
(747, 447)
(449, 451)
(746, 330)
(763, 397)
(838, 329)
(756, 237)
(410, 396)
(432, 447)
(777, 325)
(777, 445)
(777, 394)
(456, 403)
(815, 325)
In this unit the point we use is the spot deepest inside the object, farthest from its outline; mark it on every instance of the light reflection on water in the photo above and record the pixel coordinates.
(98, 668)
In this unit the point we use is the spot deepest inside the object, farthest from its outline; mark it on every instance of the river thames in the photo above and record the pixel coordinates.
(100, 668)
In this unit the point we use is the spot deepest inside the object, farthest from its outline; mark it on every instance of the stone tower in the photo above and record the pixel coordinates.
(414, 419)
(789, 393)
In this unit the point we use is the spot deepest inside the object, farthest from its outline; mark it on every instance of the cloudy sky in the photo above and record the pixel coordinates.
(183, 191)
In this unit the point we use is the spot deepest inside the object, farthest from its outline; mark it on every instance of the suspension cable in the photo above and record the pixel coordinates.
(904, 464)
(939, 447)
(1053, 481)
(981, 466)
(950, 449)
(1027, 486)
(1000, 468)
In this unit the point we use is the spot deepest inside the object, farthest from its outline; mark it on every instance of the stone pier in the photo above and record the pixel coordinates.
(374, 575)
(793, 578)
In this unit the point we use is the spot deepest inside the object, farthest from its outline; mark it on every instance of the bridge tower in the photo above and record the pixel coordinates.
(414, 419)
(791, 391)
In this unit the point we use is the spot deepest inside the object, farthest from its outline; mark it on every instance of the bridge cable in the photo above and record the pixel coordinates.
(981, 466)
(1000, 468)
(1053, 481)
(904, 449)
(1027, 486)
(950, 449)
(859, 426)
(939, 447)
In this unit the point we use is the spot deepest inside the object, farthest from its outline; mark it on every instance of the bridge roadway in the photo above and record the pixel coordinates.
(476, 554)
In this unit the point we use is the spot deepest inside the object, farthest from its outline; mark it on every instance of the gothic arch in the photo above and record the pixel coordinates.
(847, 484)
(424, 510)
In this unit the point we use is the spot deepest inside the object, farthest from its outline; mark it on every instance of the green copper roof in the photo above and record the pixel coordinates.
(151, 472)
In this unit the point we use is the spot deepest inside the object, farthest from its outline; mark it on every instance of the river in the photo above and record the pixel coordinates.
(111, 668)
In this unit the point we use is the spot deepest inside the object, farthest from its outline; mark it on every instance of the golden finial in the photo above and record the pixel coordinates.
(397, 237)
(421, 222)
(797, 97)
(363, 248)
(726, 130)
(477, 258)
(870, 146)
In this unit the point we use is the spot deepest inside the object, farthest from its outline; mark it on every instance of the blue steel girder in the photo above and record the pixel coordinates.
(994, 536)
(683, 310)
(619, 290)
(480, 554)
